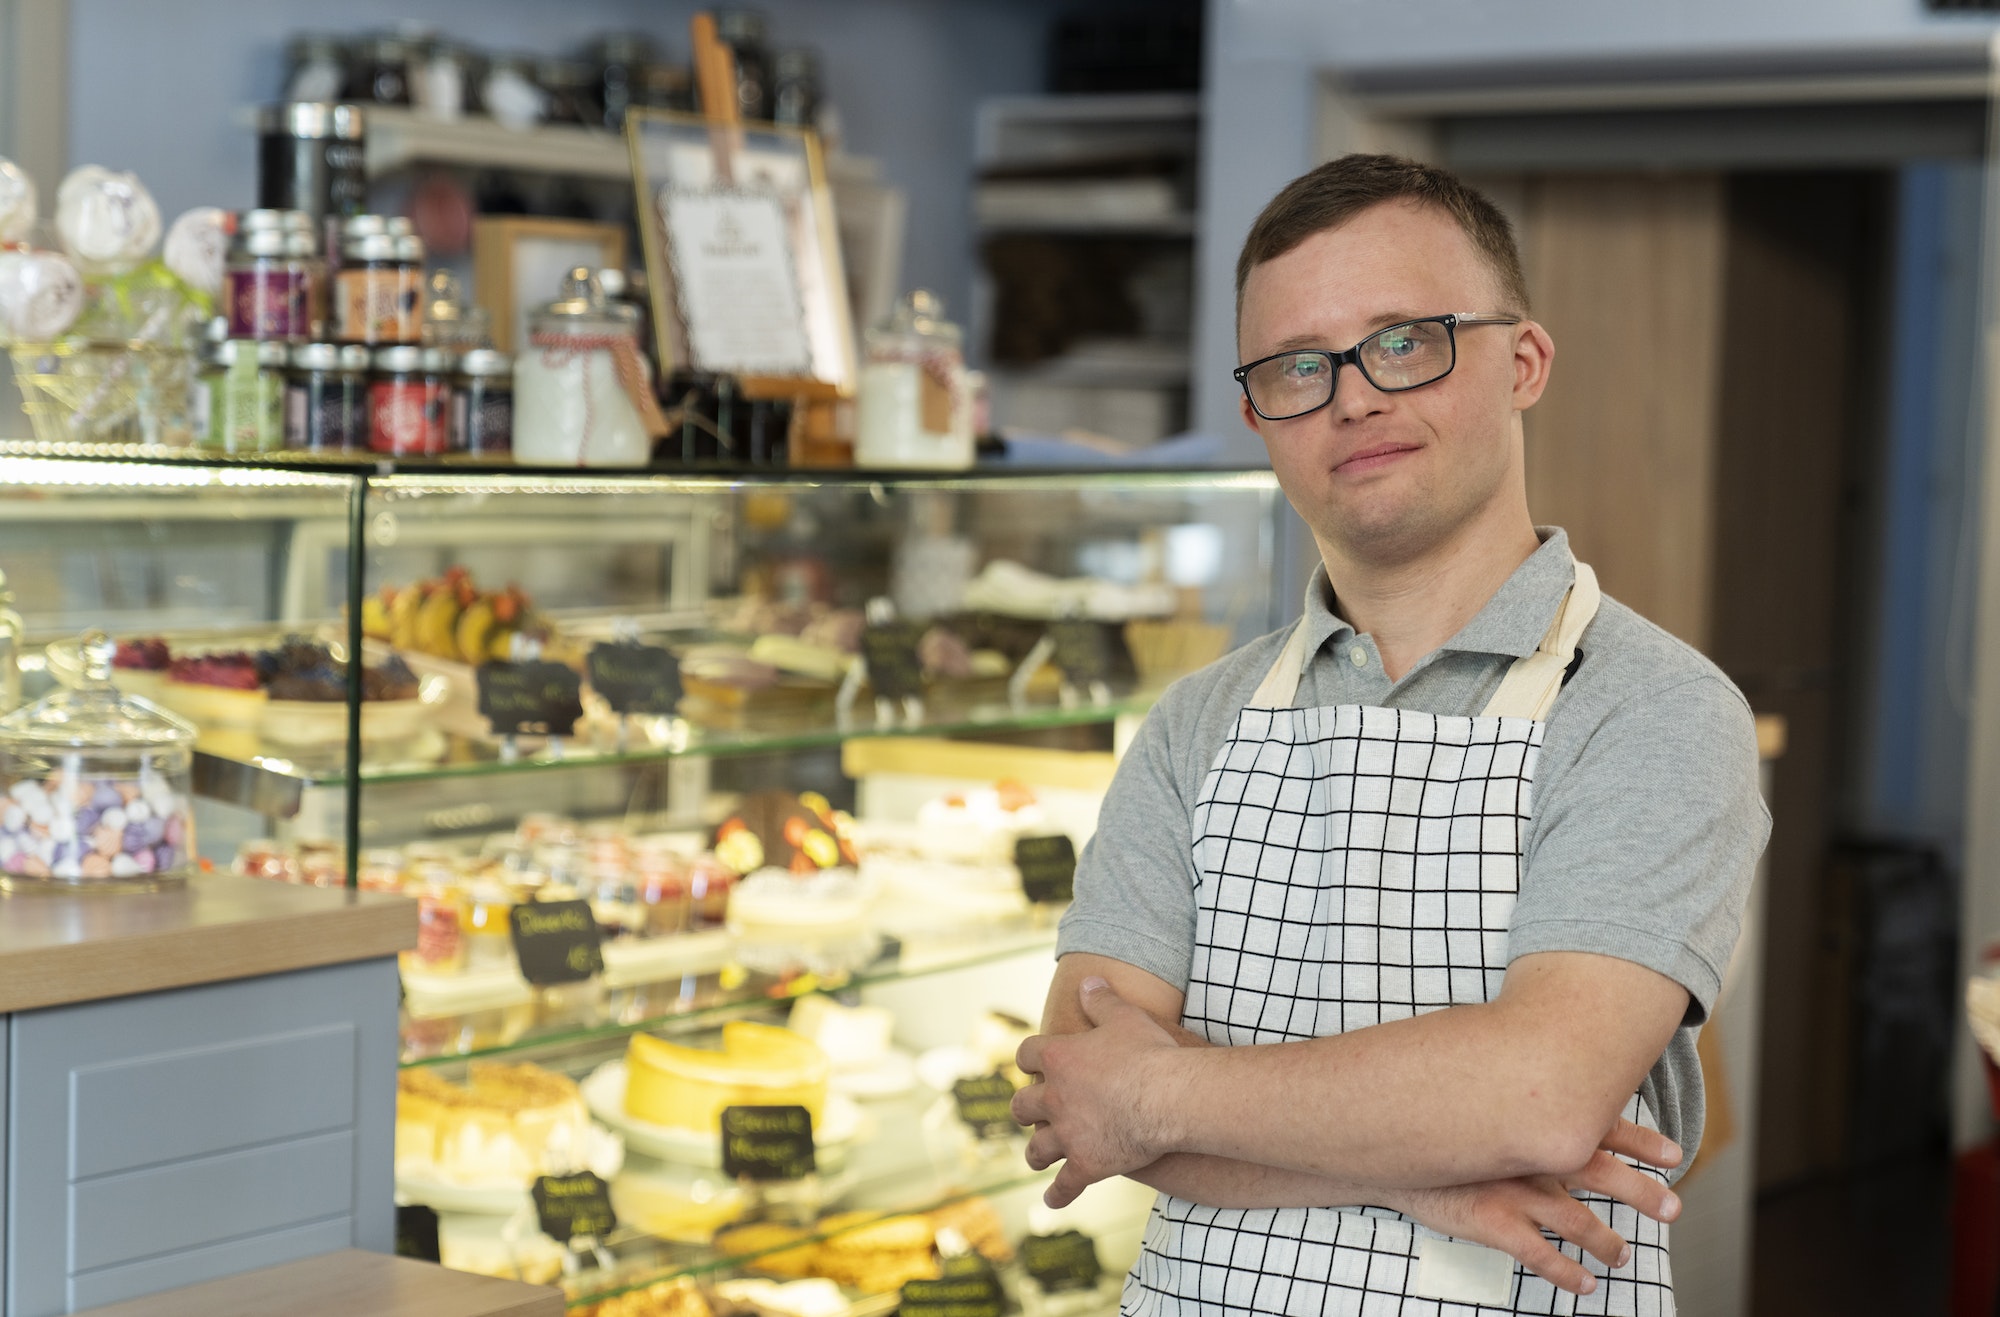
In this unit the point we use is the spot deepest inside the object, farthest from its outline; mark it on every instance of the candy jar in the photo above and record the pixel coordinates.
(915, 408)
(95, 788)
(583, 395)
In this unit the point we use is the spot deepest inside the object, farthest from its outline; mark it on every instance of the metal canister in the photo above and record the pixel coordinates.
(310, 157)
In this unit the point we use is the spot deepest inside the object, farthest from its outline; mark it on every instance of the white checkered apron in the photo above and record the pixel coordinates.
(1359, 865)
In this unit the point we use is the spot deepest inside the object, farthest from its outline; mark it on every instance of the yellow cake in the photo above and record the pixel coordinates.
(509, 1123)
(760, 1065)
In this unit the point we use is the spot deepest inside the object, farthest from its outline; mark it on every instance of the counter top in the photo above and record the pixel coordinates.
(61, 948)
(346, 1284)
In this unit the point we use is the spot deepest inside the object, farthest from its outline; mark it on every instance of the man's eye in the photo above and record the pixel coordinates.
(1400, 343)
(1303, 368)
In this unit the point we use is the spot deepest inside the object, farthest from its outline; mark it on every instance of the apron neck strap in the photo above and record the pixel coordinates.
(1527, 691)
(1532, 683)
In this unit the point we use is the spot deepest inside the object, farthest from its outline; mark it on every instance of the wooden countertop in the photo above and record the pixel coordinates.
(349, 1283)
(60, 948)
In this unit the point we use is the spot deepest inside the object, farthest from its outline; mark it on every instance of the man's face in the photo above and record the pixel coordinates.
(1386, 476)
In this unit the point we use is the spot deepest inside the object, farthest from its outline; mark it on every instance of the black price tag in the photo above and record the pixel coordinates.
(417, 1233)
(633, 678)
(767, 1143)
(1048, 867)
(894, 670)
(1083, 650)
(986, 1105)
(1065, 1261)
(968, 1288)
(572, 1205)
(556, 941)
(537, 696)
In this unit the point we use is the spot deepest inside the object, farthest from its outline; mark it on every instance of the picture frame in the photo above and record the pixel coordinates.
(743, 260)
(518, 264)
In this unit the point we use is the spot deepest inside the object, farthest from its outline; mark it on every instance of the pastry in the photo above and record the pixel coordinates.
(678, 1297)
(510, 1123)
(766, 1240)
(879, 1256)
(686, 1088)
(813, 1297)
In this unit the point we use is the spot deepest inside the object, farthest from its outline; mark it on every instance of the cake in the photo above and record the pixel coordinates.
(759, 1065)
(853, 1037)
(785, 922)
(508, 1123)
(953, 869)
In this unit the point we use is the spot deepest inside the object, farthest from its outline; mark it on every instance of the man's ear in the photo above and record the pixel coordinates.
(1534, 357)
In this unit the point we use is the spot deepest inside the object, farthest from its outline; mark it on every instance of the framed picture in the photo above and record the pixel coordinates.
(742, 259)
(518, 264)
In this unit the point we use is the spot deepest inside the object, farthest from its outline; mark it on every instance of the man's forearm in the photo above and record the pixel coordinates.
(1220, 1182)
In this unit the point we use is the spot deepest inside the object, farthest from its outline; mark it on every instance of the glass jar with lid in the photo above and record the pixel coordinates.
(267, 289)
(379, 294)
(95, 788)
(483, 404)
(583, 394)
(915, 406)
(326, 398)
(409, 401)
(246, 407)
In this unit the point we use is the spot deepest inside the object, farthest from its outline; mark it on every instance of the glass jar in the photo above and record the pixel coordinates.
(379, 294)
(743, 31)
(440, 945)
(380, 71)
(10, 650)
(621, 60)
(709, 883)
(489, 934)
(408, 402)
(267, 284)
(246, 406)
(915, 407)
(95, 788)
(483, 404)
(326, 398)
(311, 157)
(582, 389)
(380, 870)
(571, 88)
(795, 87)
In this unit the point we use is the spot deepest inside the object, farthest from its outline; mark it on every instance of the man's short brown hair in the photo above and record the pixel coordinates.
(1337, 191)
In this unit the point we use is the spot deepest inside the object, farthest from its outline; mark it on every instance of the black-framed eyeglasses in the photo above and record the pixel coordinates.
(1402, 357)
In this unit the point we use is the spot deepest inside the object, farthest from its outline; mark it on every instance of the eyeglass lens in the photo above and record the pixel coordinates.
(1400, 357)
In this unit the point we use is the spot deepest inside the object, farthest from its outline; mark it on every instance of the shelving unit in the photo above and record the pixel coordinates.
(1071, 174)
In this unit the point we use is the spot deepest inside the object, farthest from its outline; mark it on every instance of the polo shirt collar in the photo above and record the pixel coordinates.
(1512, 623)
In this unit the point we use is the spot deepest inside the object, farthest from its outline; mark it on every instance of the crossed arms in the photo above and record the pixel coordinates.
(1477, 1120)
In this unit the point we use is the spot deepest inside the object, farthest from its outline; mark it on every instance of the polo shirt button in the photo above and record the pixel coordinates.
(1359, 656)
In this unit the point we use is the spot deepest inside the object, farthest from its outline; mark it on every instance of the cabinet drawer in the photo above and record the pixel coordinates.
(185, 1135)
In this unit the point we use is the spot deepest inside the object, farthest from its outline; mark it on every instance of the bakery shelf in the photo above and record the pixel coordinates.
(513, 1022)
(234, 769)
(398, 139)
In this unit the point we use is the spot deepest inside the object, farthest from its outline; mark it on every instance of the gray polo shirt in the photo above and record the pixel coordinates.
(1645, 828)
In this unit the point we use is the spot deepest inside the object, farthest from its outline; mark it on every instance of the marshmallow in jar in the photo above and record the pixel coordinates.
(95, 788)
(581, 386)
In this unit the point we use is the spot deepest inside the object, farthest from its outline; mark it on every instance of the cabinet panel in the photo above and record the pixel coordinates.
(124, 1218)
(180, 1136)
(255, 1091)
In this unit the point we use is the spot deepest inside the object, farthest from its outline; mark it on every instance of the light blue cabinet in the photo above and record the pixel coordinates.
(159, 1140)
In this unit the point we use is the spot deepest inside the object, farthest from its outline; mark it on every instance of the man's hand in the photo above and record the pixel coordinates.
(1510, 1215)
(1102, 1103)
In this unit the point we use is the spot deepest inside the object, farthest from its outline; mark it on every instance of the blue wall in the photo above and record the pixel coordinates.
(156, 86)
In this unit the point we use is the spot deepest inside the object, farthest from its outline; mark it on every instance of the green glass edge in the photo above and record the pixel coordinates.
(695, 1017)
(734, 1261)
(724, 743)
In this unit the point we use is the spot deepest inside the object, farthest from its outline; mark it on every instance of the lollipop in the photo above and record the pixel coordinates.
(197, 244)
(106, 221)
(41, 294)
(17, 202)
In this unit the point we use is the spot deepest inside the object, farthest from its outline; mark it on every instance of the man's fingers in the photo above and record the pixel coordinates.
(1068, 1185)
(1642, 1145)
(1031, 1105)
(1627, 1184)
(1101, 1001)
(1028, 1055)
(1538, 1255)
(1044, 1149)
(1556, 1211)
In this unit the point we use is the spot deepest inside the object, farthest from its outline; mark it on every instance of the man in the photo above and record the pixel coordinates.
(1399, 924)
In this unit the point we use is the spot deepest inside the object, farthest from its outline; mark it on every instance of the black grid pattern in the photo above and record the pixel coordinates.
(1357, 865)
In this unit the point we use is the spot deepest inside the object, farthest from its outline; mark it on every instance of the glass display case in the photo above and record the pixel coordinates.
(713, 792)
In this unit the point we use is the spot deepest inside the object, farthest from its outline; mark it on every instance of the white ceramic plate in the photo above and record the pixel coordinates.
(844, 1125)
(415, 1184)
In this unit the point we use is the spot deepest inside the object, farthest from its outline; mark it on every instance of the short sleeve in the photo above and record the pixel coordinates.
(1645, 846)
(1135, 882)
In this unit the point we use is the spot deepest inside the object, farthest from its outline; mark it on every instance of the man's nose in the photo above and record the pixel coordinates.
(1353, 396)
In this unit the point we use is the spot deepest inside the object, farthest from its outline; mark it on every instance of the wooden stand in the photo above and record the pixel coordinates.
(349, 1283)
